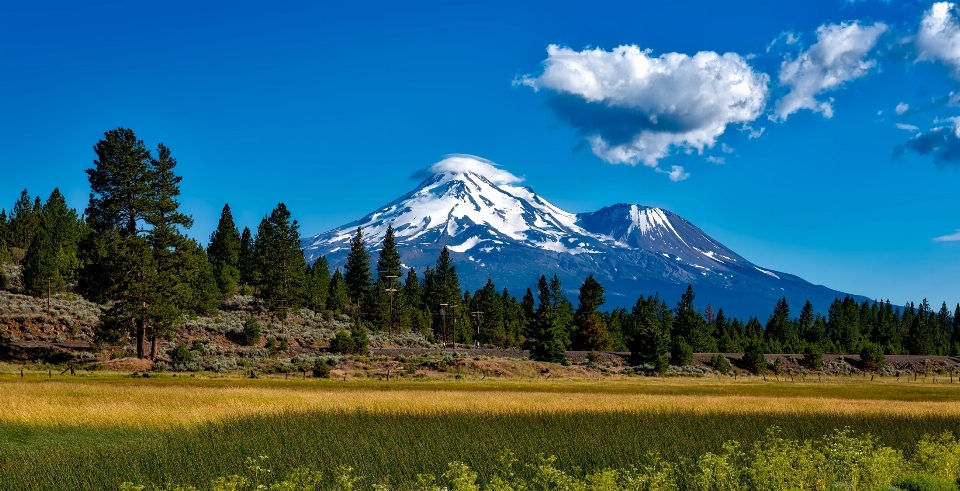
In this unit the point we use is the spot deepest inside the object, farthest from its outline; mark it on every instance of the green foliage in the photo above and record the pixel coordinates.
(338, 297)
(224, 253)
(318, 289)
(40, 266)
(360, 340)
(357, 271)
(250, 335)
(343, 343)
(872, 357)
(779, 367)
(320, 368)
(720, 363)
(813, 356)
(181, 355)
(753, 359)
(280, 266)
(545, 344)
(681, 353)
(388, 263)
(246, 258)
(591, 332)
(837, 461)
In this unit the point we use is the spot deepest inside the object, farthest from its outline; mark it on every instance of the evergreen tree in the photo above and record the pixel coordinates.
(805, 321)
(23, 222)
(319, 280)
(389, 262)
(592, 333)
(5, 256)
(246, 258)
(132, 216)
(280, 265)
(338, 298)
(357, 271)
(545, 344)
(224, 253)
(40, 266)
(781, 330)
(447, 281)
(691, 326)
(651, 339)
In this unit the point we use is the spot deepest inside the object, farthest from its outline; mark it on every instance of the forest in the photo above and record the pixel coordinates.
(129, 251)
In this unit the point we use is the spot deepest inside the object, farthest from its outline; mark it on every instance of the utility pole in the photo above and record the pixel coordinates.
(479, 317)
(391, 289)
(443, 315)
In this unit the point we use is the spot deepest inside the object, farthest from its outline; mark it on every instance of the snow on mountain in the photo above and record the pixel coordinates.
(497, 229)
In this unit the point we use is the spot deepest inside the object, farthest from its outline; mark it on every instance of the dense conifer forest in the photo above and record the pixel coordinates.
(129, 251)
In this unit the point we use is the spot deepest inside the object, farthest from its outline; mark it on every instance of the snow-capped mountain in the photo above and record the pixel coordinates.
(496, 229)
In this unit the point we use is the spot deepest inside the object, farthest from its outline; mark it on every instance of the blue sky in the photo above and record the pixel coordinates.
(330, 107)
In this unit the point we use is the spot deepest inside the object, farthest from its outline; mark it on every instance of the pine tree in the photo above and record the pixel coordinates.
(389, 262)
(23, 222)
(281, 268)
(357, 270)
(65, 230)
(691, 326)
(224, 253)
(448, 283)
(651, 340)
(319, 281)
(40, 265)
(126, 189)
(5, 256)
(338, 298)
(591, 331)
(246, 258)
(781, 329)
(169, 292)
(546, 344)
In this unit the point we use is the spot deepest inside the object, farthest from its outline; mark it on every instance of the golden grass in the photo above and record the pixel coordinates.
(178, 402)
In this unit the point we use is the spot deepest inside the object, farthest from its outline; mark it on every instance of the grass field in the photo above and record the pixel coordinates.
(95, 432)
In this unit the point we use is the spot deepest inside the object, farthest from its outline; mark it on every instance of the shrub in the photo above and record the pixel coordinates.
(779, 367)
(321, 369)
(924, 482)
(720, 363)
(813, 356)
(181, 355)
(753, 359)
(872, 357)
(342, 343)
(251, 332)
(360, 339)
(681, 354)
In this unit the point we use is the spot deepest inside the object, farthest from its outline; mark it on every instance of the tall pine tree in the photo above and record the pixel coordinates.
(281, 268)
(357, 274)
(246, 258)
(224, 253)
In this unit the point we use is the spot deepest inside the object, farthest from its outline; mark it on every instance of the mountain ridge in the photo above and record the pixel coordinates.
(496, 229)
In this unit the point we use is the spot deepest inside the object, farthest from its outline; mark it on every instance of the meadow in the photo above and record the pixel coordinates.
(98, 431)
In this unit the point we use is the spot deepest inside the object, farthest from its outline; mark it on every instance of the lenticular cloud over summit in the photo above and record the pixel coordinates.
(463, 163)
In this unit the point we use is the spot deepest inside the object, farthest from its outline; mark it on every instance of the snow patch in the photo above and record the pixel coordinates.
(766, 272)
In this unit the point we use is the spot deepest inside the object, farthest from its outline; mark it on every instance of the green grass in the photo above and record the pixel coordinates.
(394, 448)
(77, 433)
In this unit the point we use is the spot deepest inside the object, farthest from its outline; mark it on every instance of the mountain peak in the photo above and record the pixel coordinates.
(460, 164)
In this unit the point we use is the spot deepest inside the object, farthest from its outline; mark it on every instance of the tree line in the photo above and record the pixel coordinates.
(129, 251)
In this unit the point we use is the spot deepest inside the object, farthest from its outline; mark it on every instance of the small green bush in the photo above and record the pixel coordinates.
(321, 369)
(779, 367)
(251, 332)
(924, 482)
(360, 340)
(342, 343)
(753, 359)
(813, 356)
(872, 357)
(681, 354)
(181, 355)
(720, 363)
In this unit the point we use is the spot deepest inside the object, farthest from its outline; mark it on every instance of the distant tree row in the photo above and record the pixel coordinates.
(128, 251)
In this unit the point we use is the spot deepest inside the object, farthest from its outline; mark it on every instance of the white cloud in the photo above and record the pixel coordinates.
(954, 237)
(676, 173)
(837, 57)
(908, 127)
(726, 148)
(716, 160)
(939, 37)
(902, 108)
(633, 108)
(460, 163)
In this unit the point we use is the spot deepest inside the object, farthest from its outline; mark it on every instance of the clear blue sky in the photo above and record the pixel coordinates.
(331, 106)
